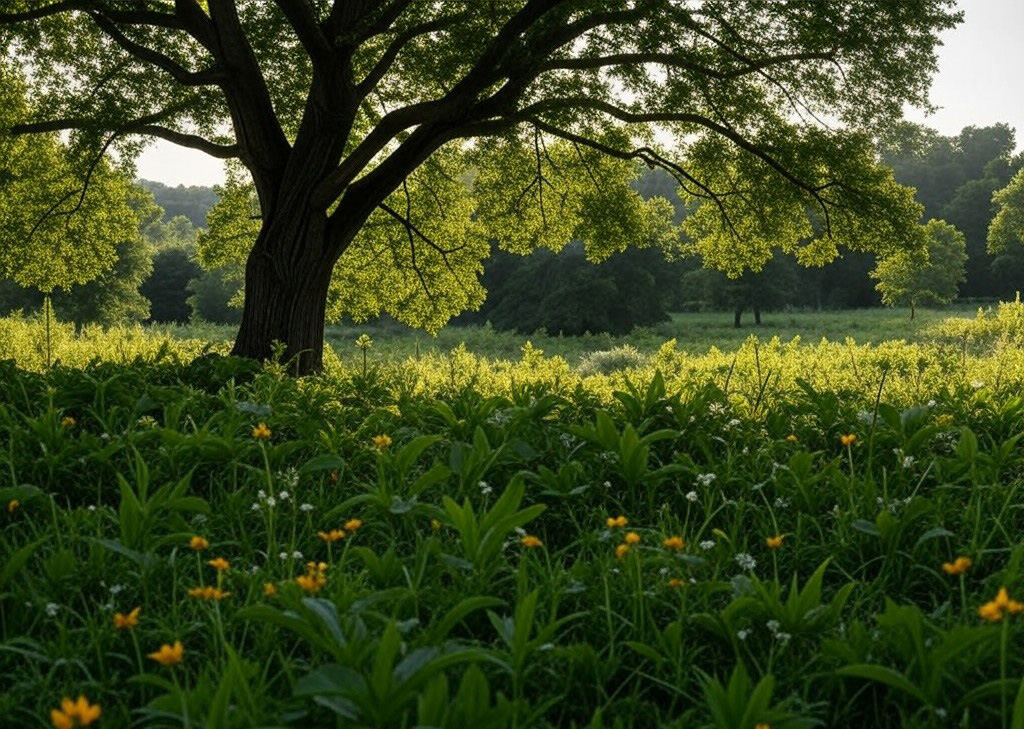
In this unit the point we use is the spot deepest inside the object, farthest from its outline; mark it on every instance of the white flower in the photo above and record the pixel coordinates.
(773, 626)
(253, 570)
(707, 544)
(284, 496)
(977, 384)
(271, 501)
(783, 637)
(546, 647)
(781, 503)
(745, 561)
(485, 488)
(607, 484)
(716, 408)
(52, 609)
(692, 496)
(92, 508)
(742, 634)
(306, 507)
(114, 589)
(908, 461)
(663, 571)
(732, 423)
(261, 494)
(705, 479)
(520, 531)
(255, 506)
(931, 403)
(296, 554)
(283, 555)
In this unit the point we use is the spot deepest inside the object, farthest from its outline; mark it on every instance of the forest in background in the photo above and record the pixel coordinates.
(157, 277)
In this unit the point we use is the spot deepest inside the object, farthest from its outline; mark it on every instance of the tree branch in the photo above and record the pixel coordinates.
(303, 20)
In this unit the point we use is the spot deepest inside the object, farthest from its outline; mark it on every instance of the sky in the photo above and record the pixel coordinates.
(979, 82)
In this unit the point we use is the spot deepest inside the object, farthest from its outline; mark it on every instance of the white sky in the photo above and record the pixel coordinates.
(980, 82)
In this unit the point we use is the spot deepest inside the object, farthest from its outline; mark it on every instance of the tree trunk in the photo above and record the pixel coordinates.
(286, 280)
(736, 318)
(757, 315)
(912, 311)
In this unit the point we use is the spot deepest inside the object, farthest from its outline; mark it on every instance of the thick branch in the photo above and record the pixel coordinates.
(303, 20)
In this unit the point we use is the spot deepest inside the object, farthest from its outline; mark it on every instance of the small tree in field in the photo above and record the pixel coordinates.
(387, 142)
(931, 276)
(1006, 232)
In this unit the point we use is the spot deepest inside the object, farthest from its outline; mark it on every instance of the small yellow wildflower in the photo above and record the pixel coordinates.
(957, 567)
(992, 611)
(774, 542)
(334, 476)
(531, 542)
(331, 536)
(12, 506)
(944, 419)
(261, 432)
(632, 538)
(198, 543)
(315, 577)
(622, 550)
(219, 563)
(74, 713)
(353, 524)
(269, 589)
(381, 441)
(67, 422)
(676, 582)
(676, 543)
(616, 521)
(848, 440)
(364, 342)
(207, 593)
(435, 525)
(169, 655)
(127, 622)
(792, 438)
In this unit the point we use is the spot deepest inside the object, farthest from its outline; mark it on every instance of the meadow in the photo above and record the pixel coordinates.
(716, 531)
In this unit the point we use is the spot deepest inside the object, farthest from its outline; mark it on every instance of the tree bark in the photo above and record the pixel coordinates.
(912, 311)
(287, 276)
(757, 315)
(736, 318)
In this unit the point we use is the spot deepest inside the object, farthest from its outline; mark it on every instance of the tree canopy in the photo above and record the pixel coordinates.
(909, 278)
(389, 142)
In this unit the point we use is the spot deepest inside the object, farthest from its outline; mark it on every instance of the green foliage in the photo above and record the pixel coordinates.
(933, 276)
(166, 288)
(190, 203)
(1006, 232)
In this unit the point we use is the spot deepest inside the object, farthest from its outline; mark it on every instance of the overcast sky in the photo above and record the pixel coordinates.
(980, 82)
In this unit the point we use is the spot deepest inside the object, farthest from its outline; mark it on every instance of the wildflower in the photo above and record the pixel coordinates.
(774, 542)
(331, 536)
(616, 521)
(381, 441)
(52, 609)
(12, 506)
(67, 422)
(74, 713)
(676, 543)
(219, 563)
(531, 542)
(792, 438)
(742, 634)
(622, 550)
(992, 611)
(632, 538)
(198, 543)
(435, 525)
(261, 432)
(485, 488)
(147, 421)
(692, 496)
(676, 582)
(306, 507)
(127, 622)
(269, 589)
(353, 524)
(705, 479)
(315, 577)
(848, 440)
(169, 655)
(334, 476)
(364, 342)
(957, 567)
(707, 544)
(745, 561)
(207, 593)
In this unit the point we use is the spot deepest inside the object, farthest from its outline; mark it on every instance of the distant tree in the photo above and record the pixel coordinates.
(215, 295)
(167, 287)
(1006, 232)
(192, 202)
(931, 276)
(177, 232)
(771, 288)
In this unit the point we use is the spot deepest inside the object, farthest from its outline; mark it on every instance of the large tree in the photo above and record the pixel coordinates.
(357, 119)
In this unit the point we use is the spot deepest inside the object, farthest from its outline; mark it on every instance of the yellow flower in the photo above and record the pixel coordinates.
(207, 593)
(762, 726)
(531, 542)
(12, 506)
(944, 419)
(261, 432)
(331, 536)
(315, 577)
(632, 538)
(848, 440)
(676, 543)
(957, 567)
(792, 438)
(364, 342)
(269, 589)
(1004, 601)
(381, 441)
(435, 525)
(622, 550)
(774, 542)
(74, 713)
(219, 563)
(353, 524)
(992, 610)
(127, 622)
(67, 422)
(676, 582)
(616, 521)
(169, 655)
(198, 543)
